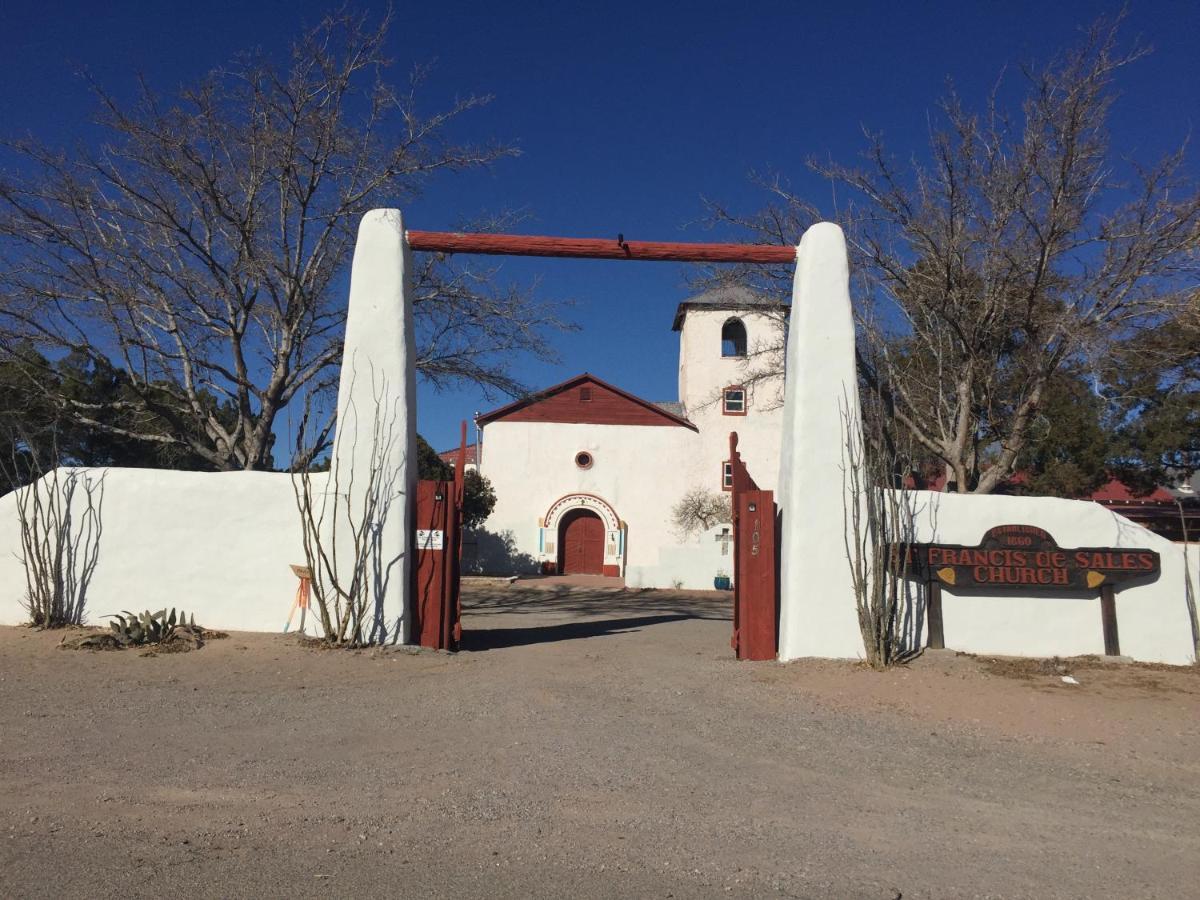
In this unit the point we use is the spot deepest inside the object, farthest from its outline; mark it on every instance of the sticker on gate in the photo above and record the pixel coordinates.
(430, 539)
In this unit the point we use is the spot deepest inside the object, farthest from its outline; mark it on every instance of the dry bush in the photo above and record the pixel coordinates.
(878, 520)
(59, 519)
(700, 510)
(341, 520)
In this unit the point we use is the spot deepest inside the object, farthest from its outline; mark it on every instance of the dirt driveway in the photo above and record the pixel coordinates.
(588, 744)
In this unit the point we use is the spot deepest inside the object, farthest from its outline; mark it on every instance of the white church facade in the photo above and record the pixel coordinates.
(587, 474)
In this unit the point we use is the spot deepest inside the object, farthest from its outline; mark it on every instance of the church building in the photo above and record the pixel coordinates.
(587, 474)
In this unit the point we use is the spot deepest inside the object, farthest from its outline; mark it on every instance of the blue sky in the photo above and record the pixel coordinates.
(626, 115)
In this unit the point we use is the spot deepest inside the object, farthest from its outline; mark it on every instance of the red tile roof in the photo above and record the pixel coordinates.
(451, 456)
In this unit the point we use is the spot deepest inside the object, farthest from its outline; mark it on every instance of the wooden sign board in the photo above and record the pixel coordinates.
(1025, 557)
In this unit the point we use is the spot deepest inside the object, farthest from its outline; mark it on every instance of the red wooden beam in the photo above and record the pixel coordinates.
(597, 248)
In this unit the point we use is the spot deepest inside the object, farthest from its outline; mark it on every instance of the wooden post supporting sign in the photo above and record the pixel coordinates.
(1108, 617)
(933, 612)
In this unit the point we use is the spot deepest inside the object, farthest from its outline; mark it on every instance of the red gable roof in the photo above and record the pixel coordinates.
(605, 404)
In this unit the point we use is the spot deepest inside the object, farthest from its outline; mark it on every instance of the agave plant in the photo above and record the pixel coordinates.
(154, 628)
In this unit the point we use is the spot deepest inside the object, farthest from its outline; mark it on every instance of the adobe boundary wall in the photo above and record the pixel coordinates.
(220, 545)
(216, 544)
(1153, 617)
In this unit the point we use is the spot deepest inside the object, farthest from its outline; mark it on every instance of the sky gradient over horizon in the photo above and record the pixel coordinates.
(627, 117)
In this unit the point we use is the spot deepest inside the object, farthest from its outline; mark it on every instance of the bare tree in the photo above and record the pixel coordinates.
(201, 246)
(470, 327)
(699, 510)
(1015, 248)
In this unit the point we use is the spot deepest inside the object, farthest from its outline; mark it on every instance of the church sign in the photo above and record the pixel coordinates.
(1025, 558)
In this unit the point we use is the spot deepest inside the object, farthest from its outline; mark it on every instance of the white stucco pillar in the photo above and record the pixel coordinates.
(374, 466)
(817, 615)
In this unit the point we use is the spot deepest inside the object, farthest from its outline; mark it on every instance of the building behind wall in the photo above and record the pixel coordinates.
(586, 474)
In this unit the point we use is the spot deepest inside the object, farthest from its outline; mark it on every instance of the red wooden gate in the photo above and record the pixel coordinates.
(438, 548)
(755, 567)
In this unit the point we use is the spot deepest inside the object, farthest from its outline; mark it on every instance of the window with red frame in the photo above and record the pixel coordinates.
(733, 402)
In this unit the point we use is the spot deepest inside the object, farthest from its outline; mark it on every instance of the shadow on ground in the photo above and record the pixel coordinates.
(571, 613)
(569, 601)
(495, 638)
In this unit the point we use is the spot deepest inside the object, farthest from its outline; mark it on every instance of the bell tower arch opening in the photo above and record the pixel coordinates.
(733, 338)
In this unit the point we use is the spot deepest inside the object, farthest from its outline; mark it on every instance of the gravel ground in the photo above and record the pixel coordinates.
(588, 744)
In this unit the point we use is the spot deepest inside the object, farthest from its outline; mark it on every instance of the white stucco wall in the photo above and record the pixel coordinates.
(374, 454)
(817, 615)
(220, 544)
(640, 471)
(216, 544)
(691, 565)
(1152, 616)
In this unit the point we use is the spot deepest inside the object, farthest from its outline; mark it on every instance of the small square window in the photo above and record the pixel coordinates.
(734, 403)
(585, 394)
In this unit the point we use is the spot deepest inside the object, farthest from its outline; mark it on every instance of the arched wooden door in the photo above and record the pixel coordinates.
(581, 543)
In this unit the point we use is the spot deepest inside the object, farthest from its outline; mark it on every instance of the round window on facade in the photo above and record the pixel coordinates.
(583, 459)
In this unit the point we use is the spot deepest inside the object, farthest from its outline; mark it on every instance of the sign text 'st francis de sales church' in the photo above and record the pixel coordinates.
(1024, 556)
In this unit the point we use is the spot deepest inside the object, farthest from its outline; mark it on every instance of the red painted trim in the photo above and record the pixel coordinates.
(756, 587)
(741, 476)
(561, 387)
(745, 399)
(435, 574)
(597, 497)
(612, 571)
(597, 248)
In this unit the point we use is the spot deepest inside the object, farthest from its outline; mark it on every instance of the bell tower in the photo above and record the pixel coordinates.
(730, 337)
(731, 379)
